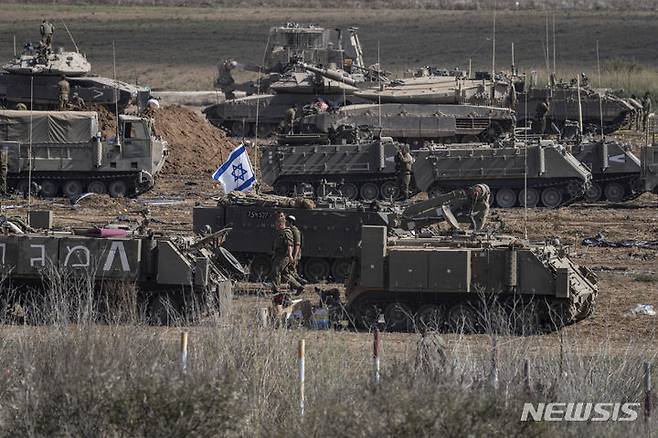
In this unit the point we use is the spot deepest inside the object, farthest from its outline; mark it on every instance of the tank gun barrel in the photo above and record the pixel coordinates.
(461, 205)
(329, 74)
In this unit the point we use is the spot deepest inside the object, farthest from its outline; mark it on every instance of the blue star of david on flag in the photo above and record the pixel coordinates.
(236, 174)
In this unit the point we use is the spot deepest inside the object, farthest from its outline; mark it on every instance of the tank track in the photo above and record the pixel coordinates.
(130, 179)
(315, 180)
(626, 180)
(521, 314)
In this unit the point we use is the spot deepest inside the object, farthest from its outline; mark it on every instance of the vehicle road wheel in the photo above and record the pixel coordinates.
(97, 187)
(398, 317)
(72, 189)
(506, 198)
(349, 190)
(614, 192)
(369, 192)
(430, 318)
(118, 189)
(389, 190)
(594, 193)
(551, 197)
(340, 269)
(49, 189)
(260, 268)
(533, 198)
(316, 269)
(366, 316)
(462, 318)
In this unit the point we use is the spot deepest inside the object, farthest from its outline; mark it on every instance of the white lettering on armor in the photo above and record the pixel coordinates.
(41, 259)
(84, 250)
(117, 246)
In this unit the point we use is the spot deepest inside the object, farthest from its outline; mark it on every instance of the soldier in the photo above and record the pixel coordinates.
(283, 256)
(646, 109)
(77, 102)
(288, 123)
(403, 162)
(296, 250)
(541, 114)
(4, 170)
(64, 90)
(47, 30)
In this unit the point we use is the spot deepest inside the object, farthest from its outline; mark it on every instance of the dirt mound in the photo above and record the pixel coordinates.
(194, 145)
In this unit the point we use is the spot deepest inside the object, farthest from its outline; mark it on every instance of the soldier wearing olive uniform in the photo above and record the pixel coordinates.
(47, 30)
(403, 163)
(64, 90)
(296, 248)
(282, 260)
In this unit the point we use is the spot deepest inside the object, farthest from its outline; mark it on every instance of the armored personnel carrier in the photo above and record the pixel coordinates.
(445, 281)
(417, 124)
(330, 226)
(616, 111)
(616, 171)
(552, 175)
(70, 157)
(366, 170)
(330, 230)
(36, 72)
(168, 274)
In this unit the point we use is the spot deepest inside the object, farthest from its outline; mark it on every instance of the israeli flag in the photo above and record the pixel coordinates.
(236, 173)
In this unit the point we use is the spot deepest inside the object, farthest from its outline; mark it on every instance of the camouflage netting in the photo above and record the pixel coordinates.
(194, 145)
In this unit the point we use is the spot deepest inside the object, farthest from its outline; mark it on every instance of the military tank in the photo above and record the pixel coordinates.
(366, 170)
(416, 124)
(70, 157)
(451, 282)
(616, 171)
(598, 107)
(169, 274)
(552, 175)
(31, 79)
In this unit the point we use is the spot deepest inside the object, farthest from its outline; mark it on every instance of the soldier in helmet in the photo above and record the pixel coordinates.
(282, 258)
(288, 123)
(64, 90)
(47, 29)
(403, 163)
(541, 115)
(77, 102)
(646, 109)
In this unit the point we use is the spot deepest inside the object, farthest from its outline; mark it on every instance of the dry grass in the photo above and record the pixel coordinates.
(85, 379)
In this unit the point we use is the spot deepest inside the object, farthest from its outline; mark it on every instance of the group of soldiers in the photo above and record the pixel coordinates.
(287, 252)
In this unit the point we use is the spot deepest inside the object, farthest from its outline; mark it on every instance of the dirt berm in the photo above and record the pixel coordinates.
(194, 145)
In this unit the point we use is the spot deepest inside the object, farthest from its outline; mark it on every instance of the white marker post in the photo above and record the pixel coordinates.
(375, 357)
(183, 352)
(301, 351)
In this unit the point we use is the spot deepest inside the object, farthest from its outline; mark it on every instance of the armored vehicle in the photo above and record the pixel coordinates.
(445, 282)
(616, 171)
(417, 124)
(169, 274)
(69, 156)
(363, 170)
(649, 180)
(330, 231)
(552, 175)
(617, 111)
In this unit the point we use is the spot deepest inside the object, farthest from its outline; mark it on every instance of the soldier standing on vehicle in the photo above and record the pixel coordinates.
(403, 163)
(541, 115)
(282, 258)
(646, 109)
(64, 90)
(47, 30)
(288, 123)
(4, 170)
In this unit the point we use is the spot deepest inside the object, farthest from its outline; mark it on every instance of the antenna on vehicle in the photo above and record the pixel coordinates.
(598, 68)
(525, 169)
(379, 96)
(15, 53)
(493, 46)
(513, 67)
(116, 92)
(548, 44)
(580, 106)
(29, 154)
(554, 45)
(70, 36)
(260, 68)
